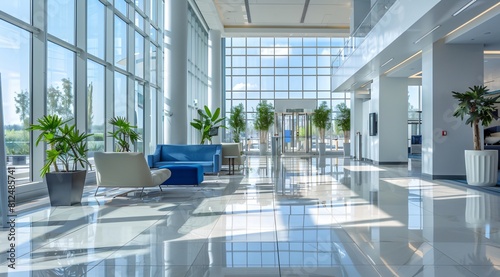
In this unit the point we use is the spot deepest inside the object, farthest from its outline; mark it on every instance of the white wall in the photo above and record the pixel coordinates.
(447, 68)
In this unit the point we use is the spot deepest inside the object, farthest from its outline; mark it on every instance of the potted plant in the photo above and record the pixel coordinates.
(479, 107)
(237, 121)
(68, 146)
(343, 124)
(263, 120)
(321, 118)
(123, 133)
(207, 125)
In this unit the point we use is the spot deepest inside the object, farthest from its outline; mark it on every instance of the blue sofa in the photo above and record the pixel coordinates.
(207, 155)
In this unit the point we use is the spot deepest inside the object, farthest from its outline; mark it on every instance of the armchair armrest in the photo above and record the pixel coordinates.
(155, 157)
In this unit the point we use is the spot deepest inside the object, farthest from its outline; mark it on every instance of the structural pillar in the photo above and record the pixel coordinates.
(214, 77)
(176, 40)
(447, 68)
(389, 100)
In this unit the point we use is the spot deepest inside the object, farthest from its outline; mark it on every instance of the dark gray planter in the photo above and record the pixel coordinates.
(65, 188)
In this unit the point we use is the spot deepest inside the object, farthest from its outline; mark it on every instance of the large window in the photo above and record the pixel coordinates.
(197, 70)
(95, 106)
(96, 23)
(15, 79)
(60, 81)
(17, 8)
(278, 68)
(120, 43)
(45, 76)
(120, 98)
(61, 19)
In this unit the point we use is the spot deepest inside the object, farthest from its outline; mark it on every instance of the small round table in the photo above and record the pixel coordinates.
(231, 163)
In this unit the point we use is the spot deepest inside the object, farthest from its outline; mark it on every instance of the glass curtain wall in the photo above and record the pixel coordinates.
(267, 68)
(197, 87)
(15, 49)
(112, 67)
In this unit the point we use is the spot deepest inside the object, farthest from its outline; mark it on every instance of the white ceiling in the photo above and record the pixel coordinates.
(277, 17)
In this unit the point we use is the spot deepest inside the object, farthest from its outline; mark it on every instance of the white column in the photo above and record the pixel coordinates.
(176, 39)
(389, 99)
(447, 68)
(214, 77)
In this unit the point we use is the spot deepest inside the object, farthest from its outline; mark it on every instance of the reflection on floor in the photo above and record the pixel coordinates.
(294, 216)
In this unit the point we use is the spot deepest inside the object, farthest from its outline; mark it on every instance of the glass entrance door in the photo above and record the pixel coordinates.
(296, 132)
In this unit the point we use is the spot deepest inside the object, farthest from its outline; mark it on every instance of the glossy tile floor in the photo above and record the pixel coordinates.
(292, 216)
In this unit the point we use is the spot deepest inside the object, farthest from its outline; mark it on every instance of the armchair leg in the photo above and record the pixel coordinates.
(142, 191)
(97, 189)
(160, 187)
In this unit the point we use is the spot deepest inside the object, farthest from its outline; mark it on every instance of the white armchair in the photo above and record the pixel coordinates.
(126, 169)
(232, 149)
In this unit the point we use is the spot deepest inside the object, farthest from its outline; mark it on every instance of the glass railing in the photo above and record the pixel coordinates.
(377, 11)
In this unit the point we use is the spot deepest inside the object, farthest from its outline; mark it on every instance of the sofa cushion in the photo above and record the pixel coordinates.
(187, 152)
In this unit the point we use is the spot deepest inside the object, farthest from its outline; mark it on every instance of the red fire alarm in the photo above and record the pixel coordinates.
(444, 133)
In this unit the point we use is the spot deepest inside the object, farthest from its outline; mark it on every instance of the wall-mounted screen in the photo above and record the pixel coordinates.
(373, 124)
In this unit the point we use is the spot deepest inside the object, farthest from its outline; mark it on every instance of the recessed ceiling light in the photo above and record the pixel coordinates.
(464, 7)
(384, 64)
(426, 34)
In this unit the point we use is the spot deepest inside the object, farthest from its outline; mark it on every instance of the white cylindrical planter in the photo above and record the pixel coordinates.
(322, 148)
(481, 167)
(263, 148)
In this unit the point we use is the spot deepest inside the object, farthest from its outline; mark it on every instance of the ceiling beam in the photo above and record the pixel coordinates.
(304, 11)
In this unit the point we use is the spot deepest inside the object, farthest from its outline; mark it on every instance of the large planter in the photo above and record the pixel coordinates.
(481, 167)
(263, 148)
(347, 149)
(65, 188)
(322, 148)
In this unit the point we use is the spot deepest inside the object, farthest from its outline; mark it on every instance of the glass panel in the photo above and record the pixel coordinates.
(120, 43)
(60, 77)
(153, 11)
(324, 83)
(139, 55)
(253, 42)
(96, 23)
(17, 8)
(153, 33)
(139, 21)
(309, 82)
(153, 115)
(61, 19)
(120, 98)
(139, 115)
(152, 63)
(15, 52)
(95, 101)
(140, 4)
(281, 82)
(121, 6)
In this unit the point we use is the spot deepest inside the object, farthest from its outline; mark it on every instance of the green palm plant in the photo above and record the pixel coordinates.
(479, 106)
(264, 119)
(207, 123)
(343, 120)
(124, 133)
(237, 121)
(321, 118)
(66, 143)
